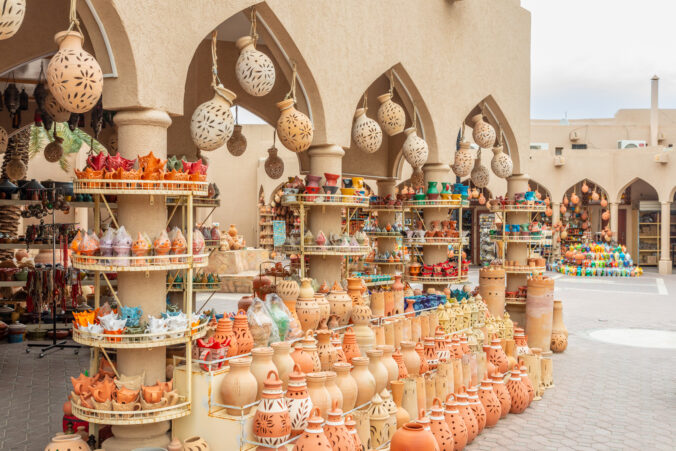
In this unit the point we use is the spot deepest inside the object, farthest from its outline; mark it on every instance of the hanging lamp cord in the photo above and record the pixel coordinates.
(253, 33)
(292, 92)
(74, 21)
(365, 102)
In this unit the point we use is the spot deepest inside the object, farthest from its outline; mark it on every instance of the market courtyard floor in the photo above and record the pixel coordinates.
(606, 396)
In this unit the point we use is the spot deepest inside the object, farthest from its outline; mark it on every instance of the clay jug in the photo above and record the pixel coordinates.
(518, 393)
(223, 333)
(465, 410)
(456, 423)
(397, 357)
(366, 383)
(327, 353)
(340, 303)
(324, 307)
(336, 431)
(271, 423)
(477, 407)
(414, 149)
(497, 356)
(313, 438)
(411, 358)
(439, 426)
(320, 396)
(67, 442)
(502, 394)
(364, 334)
(490, 402)
(378, 422)
(527, 383)
(302, 358)
(413, 436)
(559, 332)
(294, 129)
(242, 333)
(420, 349)
(397, 396)
(338, 345)
(482, 132)
(261, 365)
(298, 401)
(289, 291)
(308, 313)
(239, 387)
(377, 369)
(391, 116)
(346, 384)
(282, 360)
(501, 163)
(351, 426)
(334, 391)
(398, 294)
(389, 363)
(350, 347)
(254, 69)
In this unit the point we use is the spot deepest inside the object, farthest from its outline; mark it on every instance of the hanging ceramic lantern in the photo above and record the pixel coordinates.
(73, 75)
(391, 116)
(4, 140)
(585, 187)
(415, 148)
(16, 169)
(595, 196)
(112, 144)
(565, 200)
(54, 150)
(574, 199)
(254, 69)
(462, 166)
(366, 132)
(548, 211)
(480, 174)
(11, 97)
(474, 194)
(55, 110)
(501, 163)
(604, 202)
(11, 17)
(417, 178)
(563, 209)
(237, 142)
(547, 201)
(295, 130)
(212, 123)
(605, 215)
(274, 166)
(482, 199)
(482, 132)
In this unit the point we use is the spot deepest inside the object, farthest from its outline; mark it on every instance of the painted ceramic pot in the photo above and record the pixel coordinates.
(242, 333)
(336, 431)
(502, 394)
(346, 384)
(413, 436)
(366, 383)
(477, 407)
(294, 129)
(482, 132)
(456, 423)
(320, 396)
(313, 438)
(341, 304)
(518, 393)
(271, 423)
(490, 402)
(463, 160)
(366, 132)
(261, 365)
(501, 163)
(239, 387)
(391, 116)
(415, 148)
(377, 369)
(440, 428)
(254, 69)
(298, 401)
(467, 415)
(212, 124)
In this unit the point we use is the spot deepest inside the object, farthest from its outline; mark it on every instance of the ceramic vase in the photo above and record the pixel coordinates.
(254, 69)
(483, 133)
(366, 383)
(391, 407)
(282, 360)
(391, 116)
(274, 166)
(389, 363)
(350, 346)
(320, 396)
(351, 426)
(527, 383)
(378, 421)
(411, 358)
(271, 423)
(463, 160)
(412, 436)
(336, 431)
(398, 293)
(11, 18)
(501, 163)
(294, 129)
(397, 357)
(439, 426)
(497, 356)
(415, 148)
(261, 365)
(366, 132)
(308, 313)
(410, 398)
(403, 416)
(502, 394)
(333, 389)
(239, 387)
(327, 353)
(324, 307)
(420, 350)
(465, 410)
(479, 175)
(242, 333)
(313, 438)
(364, 334)
(212, 123)
(490, 402)
(310, 348)
(298, 401)
(477, 407)
(341, 304)
(302, 358)
(518, 393)
(377, 369)
(347, 385)
(456, 424)
(223, 333)
(559, 332)
(377, 304)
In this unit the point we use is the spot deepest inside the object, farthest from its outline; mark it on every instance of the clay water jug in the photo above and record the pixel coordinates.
(338, 345)
(346, 384)
(282, 360)
(326, 351)
(518, 393)
(298, 401)
(316, 387)
(377, 368)
(242, 333)
(502, 394)
(497, 356)
(239, 387)
(490, 402)
(397, 396)
(340, 303)
(366, 383)
(413, 436)
(294, 129)
(527, 383)
(350, 347)
(456, 423)
(313, 438)
(261, 365)
(336, 431)
(271, 423)
(477, 407)
(389, 363)
(310, 347)
(334, 391)
(411, 358)
(302, 358)
(439, 426)
(465, 410)
(398, 294)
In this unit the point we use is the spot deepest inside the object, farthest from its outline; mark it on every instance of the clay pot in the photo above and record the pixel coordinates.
(71, 442)
(397, 396)
(320, 396)
(212, 124)
(413, 436)
(477, 407)
(415, 148)
(324, 307)
(559, 332)
(377, 368)
(313, 438)
(239, 387)
(195, 444)
(341, 304)
(502, 394)
(346, 384)
(465, 410)
(391, 116)
(497, 356)
(501, 163)
(366, 133)
(298, 401)
(456, 424)
(379, 417)
(440, 428)
(175, 445)
(282, 360)
(527, 383)
(391, 407)
(463, 160)
(420, 349)
(366, 383)
(377, 304)
(243, 336)
(411, 358)
(410, 399)
(350, 347)
(308, 312)
(336, 431)
(310, 347)
(261, 365)
(490, 402)
(351, 426)
(334, 391)
(397, 357)
(271, 423)
(389, 363)
(483, 133)
(254, 69)
(518, 393)
(13, 12)
(294, 129)
(302, 358)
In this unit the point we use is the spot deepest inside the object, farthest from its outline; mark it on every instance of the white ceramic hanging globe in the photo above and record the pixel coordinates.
(501, 163)
(212, 123)
(483, 133)
(55, 110)
(12, 13)
(415, 148)
(391, 116)
(254, 69)
(480, 175)
(366, 132)
(462, 166)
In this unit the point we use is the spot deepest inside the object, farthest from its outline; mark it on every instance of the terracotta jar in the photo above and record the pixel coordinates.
(298, 401)
(71, 442)
(389, 363)
(456, 423)
(527, 383)
(440, 428)
(282, 360)
(302, 358)
(338, 345)
(212, 124)
(411, 358)
(324, 307)
(378, 422)
(366, 383)
(239, 387)
(502, 394)
(336, 431)
(465, 410)
(313, 438)
(243, 336)
(261, 365)
(518, 393)
(310, 347)
(391, 407)
(308, 312)
(410, 398)
(420, 349)
(398, 295)
(520, 342)
(403, 372)
(294, 129)
(351, 426)
(559, 341)
(477, 407)
(377, 369)
(289, 290)
(346, 384)
(316, 387)
(340, 303)
(350, 347)
(431, 355)
(327, 353)
(413, 436)
(490, 402)
(223, 333)
(497, 356)
(397, 396)
(271, 423)
(455, 348)
(377, 303)
(334, 391)
(440, 346)
(361, 317)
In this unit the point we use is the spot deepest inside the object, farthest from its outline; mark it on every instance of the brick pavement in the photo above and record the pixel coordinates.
(606, 397)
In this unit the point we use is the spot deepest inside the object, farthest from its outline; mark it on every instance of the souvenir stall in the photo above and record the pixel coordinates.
(598, 259)
(584, 215)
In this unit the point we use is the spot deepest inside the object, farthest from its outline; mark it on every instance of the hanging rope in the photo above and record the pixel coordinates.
(274, 137)
(236, 114)
(74, 22)
(253, 32)
(365, 102)
(391, 82)
(415, 116)
(292, 92)
(215, 81)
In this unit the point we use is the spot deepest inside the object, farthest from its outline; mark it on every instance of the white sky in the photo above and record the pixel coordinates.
(590, 58)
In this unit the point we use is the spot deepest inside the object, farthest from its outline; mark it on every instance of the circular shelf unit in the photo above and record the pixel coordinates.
(432, 241)
(393, 235)
(518, 238)
(436, 280)
(197, 202)
(124, 418)
(135, 264)
(518, 208)
(330, 200)
(384, 263)
(386, 208)
(524, 269)
(341, 251)
(144, 187)
(144, 341)
(439, 203)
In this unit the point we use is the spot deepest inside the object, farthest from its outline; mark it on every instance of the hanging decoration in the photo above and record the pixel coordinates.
(254, 69)
(295, 130)
(480, 175)
(366, 132)
(595, 196)
(16, 169)
(605, 215)
(482, 198)
(11, 17)
(212, 124)
(563, 209)
(462, 166)
(54, 150)
(501, 163)
(74, 76)
(391, 115)
(549, 212)
(574, 199)
(565, 200)
(415, 148)
(4, 139)
(11, 98)
(274, 166)
(237, 142)
(418, 178)
(604, 202)
(585, 187)
(482, 132)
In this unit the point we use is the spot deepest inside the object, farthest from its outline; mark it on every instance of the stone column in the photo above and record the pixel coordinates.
(386, 188)
(613, 219)
(665, 239)
(556, 217)
(441, 173)
(325, 158)
(139, 132)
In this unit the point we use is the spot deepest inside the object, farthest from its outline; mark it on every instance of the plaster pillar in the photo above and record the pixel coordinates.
(326, 158)
(441, 173)
(139, 132)
(665, 239)
(386, 188)
(518, 252)
(614, 211)
(556, 217)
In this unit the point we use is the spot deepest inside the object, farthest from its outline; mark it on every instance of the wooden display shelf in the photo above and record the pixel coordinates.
(439, 203)
(379, 283)
(384, 235)
(120, 418)
(197, 202)
(144, 187)
(132, 264)
(384, 263)
(145, 341)
(385, 208)
(436, 280)
(26, 246)
(331, 200)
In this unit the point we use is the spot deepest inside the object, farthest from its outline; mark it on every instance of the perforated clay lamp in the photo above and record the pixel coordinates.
(212, 123)
(11, 17)
(366, 133)
(254, 69)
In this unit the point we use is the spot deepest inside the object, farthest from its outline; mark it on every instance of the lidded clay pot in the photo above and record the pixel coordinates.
(313, 438)
(271, 423)
(477, 407)
(518, 392)
(336, 431)
(298, 401)
(465, 410)
(502, 394)
(242, 333)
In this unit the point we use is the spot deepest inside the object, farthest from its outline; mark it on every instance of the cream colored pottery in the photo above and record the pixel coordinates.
(366, 132)
(195, 444)
(391, 116)
(501, 163)
(389, 363)
(411, 358)
(480, 175)
(306, 291)
(482, 132)
(328, 354)
(462, 166)
(261, 365)
(410, 398)
(212, 123)
(239, 387)
(316, 387)
(397, 396)
(379, 419)
(11, 17)
(308, 313)
(341, 304)
(332, 388)
(324, 307)
(254, 69)
(347, 385)
(366, 383)
(288, 290)
(281, 357)
(377, 368)
(294, 129)
(415, 148)
(71, 442)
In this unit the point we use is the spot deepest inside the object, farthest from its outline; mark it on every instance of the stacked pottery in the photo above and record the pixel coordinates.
(346, 384)
(377, 369)
(332, 388)
(272, 424)
(361, 317)
(316, 387)
(350, 347)
(336, 431)
(397, 396)
(282, 360)
(261, 365)
(477, 407)
(298, 401)
(341, 304)
(518, 392)
(413, 436)
(411, 358)
(378, 421)
(307, 308)
(239, 387)
(490, 402)
(389, 363)
(313, 438)
(366, 383)
(502, 394)
(456, 424)
(470, 420)
(328, 354)
(440, 428)
(242, 333)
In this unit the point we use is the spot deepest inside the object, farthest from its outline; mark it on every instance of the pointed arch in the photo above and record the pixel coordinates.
(537, 186)
(618, 197)
(592, 185)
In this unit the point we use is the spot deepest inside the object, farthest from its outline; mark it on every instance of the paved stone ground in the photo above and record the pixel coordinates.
(605, 396)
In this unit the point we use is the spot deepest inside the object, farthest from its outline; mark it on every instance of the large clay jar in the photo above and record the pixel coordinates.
(13, 12)
(366, 383)
(261, 365)
(464, 160)
(351, 426)
(338, 344)
(350, 346)
(316, 387)
(398, 292)
(333, 389)
(389, 363)
(298, 401)
(559, 332)
(456, 423)
(289, 290)
(366, 132)
(271, 423)
(327, 353)
(223, 333)
(377, 304)
(308, 313)
(74, 76)
(254, 69)
(282, 360)
(465, 410)
(501, 163)
(324, 307)
(411, 358)
(336, 431)
(72, 442)
(482, 132)
(415, 148)
(413, 436)
(294, 129)
(440, 428)
(313, 438)
(341, 304)
(242, 333)
(497, 356)
(477, 407)
(527, 383)
(379, 423)
(346, 384)
(492, 289)
(212, 123)
(302, 358)
(539, 312)
(490, 402)
(391, 116)
(518, 393)
(502, 394)
(377, 368)
(239, 387)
